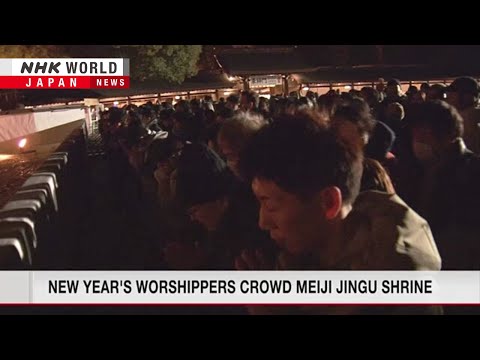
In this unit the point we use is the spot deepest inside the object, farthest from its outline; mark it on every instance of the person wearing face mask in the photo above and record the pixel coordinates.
(442, 183)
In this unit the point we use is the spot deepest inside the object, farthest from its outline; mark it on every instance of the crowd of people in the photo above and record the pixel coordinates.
(364, 180)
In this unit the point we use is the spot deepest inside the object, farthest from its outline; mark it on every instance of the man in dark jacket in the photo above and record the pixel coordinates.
(442, 183)
(228, 211)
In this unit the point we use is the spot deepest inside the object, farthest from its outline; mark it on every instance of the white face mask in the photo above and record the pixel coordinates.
(423, 152)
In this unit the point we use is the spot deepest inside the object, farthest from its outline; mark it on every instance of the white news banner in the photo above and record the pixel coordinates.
(239, 287)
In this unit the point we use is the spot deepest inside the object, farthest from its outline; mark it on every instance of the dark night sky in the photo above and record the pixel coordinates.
(437, 56)
(453, 55)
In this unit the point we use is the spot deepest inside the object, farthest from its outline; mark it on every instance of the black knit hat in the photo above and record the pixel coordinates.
(202, 176)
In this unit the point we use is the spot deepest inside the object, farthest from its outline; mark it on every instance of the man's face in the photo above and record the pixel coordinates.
(296, 225)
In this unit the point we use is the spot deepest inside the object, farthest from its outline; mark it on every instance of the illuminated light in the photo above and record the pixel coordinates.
(22, 143)
(347, 87)
(231, 78)
(177, 97)
(144, 96)
(174, 93)
(306, 88)
(106, 108)
(202, 91)
(115, 103)
(5, 157)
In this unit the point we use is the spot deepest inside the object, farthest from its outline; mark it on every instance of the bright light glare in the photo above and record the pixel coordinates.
(5, 157)
(22, 143)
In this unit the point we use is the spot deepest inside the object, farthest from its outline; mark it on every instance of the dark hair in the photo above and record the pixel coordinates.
(302, 156)
(202, 176)
(233, 99)
(372, 96)
(358, 112)
(166, 113)
(250, 96)
(226, 113)
(189, 127)
(115, 116)
(443, 118)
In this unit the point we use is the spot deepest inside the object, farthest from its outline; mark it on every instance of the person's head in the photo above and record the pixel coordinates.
(424, 87)
(195, 105)
(412, 90)
(305, 180)
(353, 122)
(202, 185)
(234, 135)
(182, 106)
(114, 119)
(370, 95)
(187, 127)
(146, 114)
(311, 95)
(393, 88)
(418, 97)
(224, 114)
(263, 104)
(463, 92)
(380, 85)
(248, 101)
(208, 118)
(434, 126)
(166, 119)
(436, 92)
(161, 152)
(232, 102)
(395, 111)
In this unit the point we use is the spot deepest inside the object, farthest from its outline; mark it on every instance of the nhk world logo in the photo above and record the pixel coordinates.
(76, 73)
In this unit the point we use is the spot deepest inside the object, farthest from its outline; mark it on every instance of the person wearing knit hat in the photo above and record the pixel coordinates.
(204, 189)
(202, 176)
